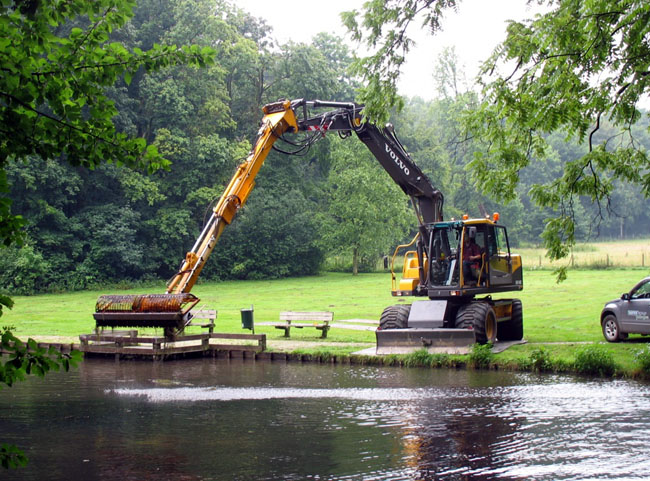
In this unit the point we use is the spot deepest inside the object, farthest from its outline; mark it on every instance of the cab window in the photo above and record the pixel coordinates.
(500, 246)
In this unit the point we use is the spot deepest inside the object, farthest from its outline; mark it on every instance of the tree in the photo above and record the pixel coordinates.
(56, 64)
(575, 67)
(449, 75)
(383, 27)
(367, 211)
(275, 236)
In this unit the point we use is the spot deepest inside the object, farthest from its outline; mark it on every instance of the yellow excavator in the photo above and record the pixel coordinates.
(447, 265)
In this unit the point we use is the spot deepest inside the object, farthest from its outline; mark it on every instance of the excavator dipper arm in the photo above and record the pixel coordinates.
(384, 145)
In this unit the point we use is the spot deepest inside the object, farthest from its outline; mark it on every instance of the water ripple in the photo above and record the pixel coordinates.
(255, 393)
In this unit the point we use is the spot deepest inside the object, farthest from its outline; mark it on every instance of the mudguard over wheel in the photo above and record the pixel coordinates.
(512, 330)
(395, 317)
(480, 317)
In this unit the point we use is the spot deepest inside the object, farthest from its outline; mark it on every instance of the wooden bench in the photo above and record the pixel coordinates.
(319, 320)
(208, 315)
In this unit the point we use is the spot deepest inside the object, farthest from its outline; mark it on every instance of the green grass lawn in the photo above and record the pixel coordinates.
(553, 313)
(565, 312)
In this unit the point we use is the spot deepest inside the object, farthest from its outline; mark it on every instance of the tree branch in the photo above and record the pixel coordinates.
(60, 122)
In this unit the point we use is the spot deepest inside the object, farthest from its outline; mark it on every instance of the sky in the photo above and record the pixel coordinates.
(474, 30)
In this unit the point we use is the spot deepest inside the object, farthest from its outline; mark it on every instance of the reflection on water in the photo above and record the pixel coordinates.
(220, 420)
(262, 393)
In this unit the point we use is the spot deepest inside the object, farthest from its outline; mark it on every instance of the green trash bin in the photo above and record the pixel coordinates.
(247, 319)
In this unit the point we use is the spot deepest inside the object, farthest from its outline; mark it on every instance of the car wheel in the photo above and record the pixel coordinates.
(611, 331)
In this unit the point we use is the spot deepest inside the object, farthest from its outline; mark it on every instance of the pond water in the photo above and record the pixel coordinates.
(246, 420)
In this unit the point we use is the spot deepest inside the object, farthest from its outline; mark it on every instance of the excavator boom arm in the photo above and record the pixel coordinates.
(279, 118)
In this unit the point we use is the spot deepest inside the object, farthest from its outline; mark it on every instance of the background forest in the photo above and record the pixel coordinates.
(111, 224)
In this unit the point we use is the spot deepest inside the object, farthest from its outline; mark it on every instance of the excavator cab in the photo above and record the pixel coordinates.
(448, 266)
(459, 258)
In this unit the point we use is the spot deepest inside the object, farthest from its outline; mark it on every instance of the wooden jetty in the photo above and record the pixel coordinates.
(129, 345)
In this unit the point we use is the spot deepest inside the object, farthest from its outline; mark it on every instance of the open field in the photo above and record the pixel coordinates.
(624, 253)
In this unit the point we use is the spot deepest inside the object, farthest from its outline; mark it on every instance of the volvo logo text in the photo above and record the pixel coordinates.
(397, 160)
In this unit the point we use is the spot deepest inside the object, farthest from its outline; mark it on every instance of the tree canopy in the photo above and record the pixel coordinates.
(580, 69)
(57, 60)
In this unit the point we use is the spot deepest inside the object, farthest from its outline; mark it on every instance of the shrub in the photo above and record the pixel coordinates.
(419, 358)
(481, 355)
(23, 270)
(540, 360)
(595, 360)
(643, 358)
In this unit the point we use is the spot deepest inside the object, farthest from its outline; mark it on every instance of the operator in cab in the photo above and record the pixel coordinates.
(471, 255)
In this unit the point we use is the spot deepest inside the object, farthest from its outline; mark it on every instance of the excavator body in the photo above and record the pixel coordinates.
(438, 265)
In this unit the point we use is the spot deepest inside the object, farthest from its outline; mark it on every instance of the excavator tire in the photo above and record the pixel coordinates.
(480, 317)
(395, 317)
(512, 330)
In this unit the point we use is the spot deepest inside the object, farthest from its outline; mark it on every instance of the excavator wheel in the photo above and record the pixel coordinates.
(395, 317)
(478, 316)
(512, 330)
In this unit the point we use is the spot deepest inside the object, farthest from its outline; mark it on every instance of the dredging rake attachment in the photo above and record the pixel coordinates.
(168, 311)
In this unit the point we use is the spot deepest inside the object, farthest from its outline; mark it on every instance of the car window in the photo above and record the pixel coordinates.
(642, 291)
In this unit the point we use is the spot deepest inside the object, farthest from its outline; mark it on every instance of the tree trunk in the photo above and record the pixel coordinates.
(622, 232)
(355, 261)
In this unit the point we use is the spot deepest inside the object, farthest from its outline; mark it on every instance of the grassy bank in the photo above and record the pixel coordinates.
(558, 318)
